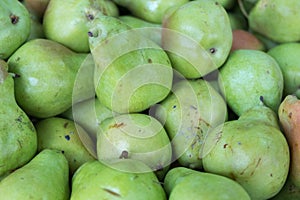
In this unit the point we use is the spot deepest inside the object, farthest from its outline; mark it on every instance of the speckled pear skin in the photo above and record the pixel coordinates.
(289, 117)
(151, 11)
(67, 22)
(15, 26)
(64, 135)
(276, 20)
(18, 140)
(287, 57)
(128, 78)
(192, 109)
(250, 78)
(197, 47)
(46, 74)
(120, 180)
(46, 176)
(251, 151)
(183, 183)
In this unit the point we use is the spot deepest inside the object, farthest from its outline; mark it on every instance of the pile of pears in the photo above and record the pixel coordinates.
(139, 99)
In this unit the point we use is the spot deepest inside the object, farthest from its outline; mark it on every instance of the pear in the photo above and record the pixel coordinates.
(128, 78)
(37, 7)
(250, 150)
(197, 45)
(46, 176)
(135, 136)
(64, 135)
(289, 191)
(125, 179)
(243, 39)
(15, 26)
(276, 20)
(237, 20)
(36, 30)
(67, 22)
(18, 140)
(89, 114)
(249, 78)
(192, 109)
(151, 11)
(227, 4)
(184, 184)
(46, 72)
(289, 117)
(287, 56)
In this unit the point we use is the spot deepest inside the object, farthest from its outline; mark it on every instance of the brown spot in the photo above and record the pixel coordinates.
(212, 50)
(66, 124)
(271, 175)
(90, 17)
(225, 146)
(290, 115)
(67, 137)
(111, 192)
(116, 125)
(124, 155)
(149, 60)
(261, 98)
(14, 19)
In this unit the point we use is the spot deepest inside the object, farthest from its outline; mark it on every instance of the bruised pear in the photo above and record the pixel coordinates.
(249, 78)
(18, 139)
(243, 39)
(15, 26)
(124, 179)
(132, 77)
(250, 150)
(135, 136)
(197, 46)
(276, 19)
(287, 56)
(183, 183)
(289, 116)
(192, 109)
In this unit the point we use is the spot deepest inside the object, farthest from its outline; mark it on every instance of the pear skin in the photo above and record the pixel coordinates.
(46, 176)
(18, 139)
(289, 116)
(243, 39)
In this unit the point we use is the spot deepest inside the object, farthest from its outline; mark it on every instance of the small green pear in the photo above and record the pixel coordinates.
(184, 184)
(287, 56)
(136, 136)
(151, 11)
(129, 77)
(276, 20)
(46, 72)
(192, 109)
(197, 37)
(18, 139)
(251, 151)
(64, 135)
(125, 179)
(67, 22)
(249, 78)
(46, 176)
(15, 26)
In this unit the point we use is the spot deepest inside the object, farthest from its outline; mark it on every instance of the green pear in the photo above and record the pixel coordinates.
(136, 136)
(250, 78)
(152, 30)
(251, 151)
(237, 20)
(152, 11)
(89, 114)
(276, 20)
(289, 191)
(227, 4)
(37, 7)
(287, 56)
(67, 22)
(125, 179)
(184, 184)
(197, 37)
(64, 135)
(36, 30)
(46, 72)
(192, 109)
(15, 26)
(132, 77)
(18, 140)
(46, 176)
